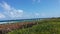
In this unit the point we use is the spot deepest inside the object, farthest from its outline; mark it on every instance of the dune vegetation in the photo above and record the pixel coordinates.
(46, 26)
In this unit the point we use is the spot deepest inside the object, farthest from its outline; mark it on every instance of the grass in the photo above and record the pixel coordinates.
(48, 26)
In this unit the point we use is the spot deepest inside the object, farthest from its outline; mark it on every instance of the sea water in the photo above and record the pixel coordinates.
(16, 21)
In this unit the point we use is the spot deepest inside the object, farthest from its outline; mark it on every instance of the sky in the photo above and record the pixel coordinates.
(26, 9)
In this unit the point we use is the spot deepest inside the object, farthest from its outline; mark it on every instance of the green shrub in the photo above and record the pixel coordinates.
(43, 27)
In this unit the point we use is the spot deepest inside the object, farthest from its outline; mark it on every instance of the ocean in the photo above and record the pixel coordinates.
(19, 20)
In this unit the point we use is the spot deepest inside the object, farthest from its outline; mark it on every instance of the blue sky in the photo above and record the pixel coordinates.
(24, 9)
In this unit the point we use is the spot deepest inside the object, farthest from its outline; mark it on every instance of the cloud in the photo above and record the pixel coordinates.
(37, 14)
(33, 0)
(5, 6)
(43, 14)
(2, 16)
(16, 13)
(11, 11)
(38, 1)
(40, 15)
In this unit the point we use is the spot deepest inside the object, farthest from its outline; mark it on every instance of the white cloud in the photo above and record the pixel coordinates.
(40, 15)
(38, 1)
(5, 6)
(10, 11)
(17, 13)
(2, 16)
(33, 0)
(43, 14)
(37, 14)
